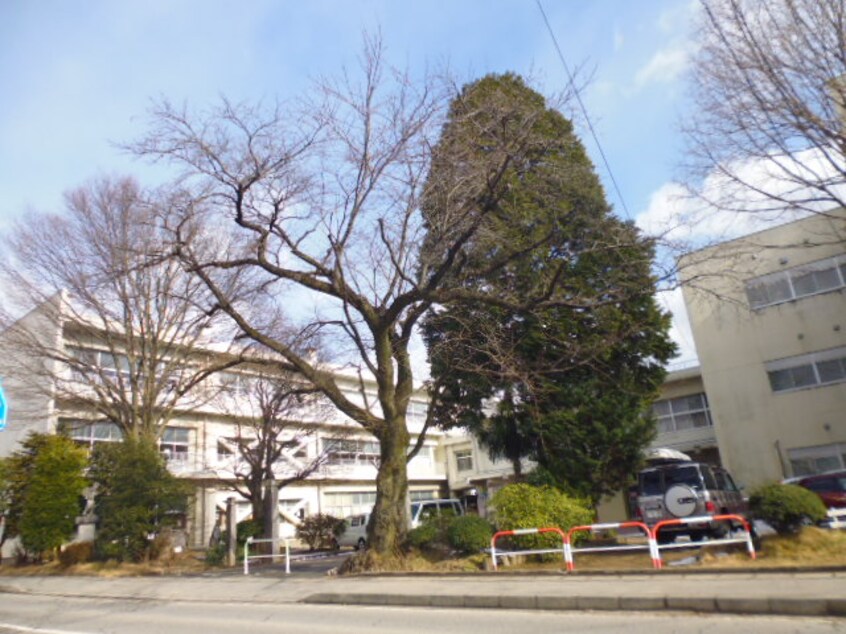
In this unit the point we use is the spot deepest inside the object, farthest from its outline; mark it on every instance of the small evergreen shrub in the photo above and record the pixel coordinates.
(244, 530)
(786, 507)
(76, 553)
(321, 531)
(469, 534)
(425, 536)
(526, 506)
(216, 555)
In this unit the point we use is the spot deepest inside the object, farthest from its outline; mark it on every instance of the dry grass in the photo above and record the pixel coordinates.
(185, 563)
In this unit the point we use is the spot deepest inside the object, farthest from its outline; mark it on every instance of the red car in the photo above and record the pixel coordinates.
(831, 487)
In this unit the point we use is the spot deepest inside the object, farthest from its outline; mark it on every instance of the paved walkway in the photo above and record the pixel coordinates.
(809, 593)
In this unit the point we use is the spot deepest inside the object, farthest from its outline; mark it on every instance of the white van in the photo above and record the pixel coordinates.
(424, 509)
(355, 534)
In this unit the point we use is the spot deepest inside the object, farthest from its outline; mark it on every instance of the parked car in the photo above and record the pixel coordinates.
(355, 534)
(831, 487)
(424, 509)
(680, 489)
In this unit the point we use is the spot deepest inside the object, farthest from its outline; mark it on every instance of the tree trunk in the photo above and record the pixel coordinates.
(389, 522)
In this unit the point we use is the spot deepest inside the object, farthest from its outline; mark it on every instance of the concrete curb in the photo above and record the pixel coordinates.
(723, 605)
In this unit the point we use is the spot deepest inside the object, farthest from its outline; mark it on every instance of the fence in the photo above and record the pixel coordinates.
(650, 545)
(705, 519)
(528, 531)
(272, 556)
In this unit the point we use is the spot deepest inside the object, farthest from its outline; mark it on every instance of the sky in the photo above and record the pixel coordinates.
(77, 78)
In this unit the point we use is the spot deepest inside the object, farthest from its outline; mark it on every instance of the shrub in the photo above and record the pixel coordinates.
(527, 506)
(76, 553)
(426, 535)
(786, 507)
(321, 531)
(216, 555)
(51, 501)
(136, 497)
(244, 530)
(469, 534)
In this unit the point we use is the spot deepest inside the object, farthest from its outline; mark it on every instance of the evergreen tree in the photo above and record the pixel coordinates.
(136, 497)
(572, 380)
(41, 491)
(53, 493)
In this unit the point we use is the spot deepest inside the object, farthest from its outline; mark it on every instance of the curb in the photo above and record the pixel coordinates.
(723, 605)
(646, 572)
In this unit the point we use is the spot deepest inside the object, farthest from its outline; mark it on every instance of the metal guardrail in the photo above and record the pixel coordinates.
(528, 531)
(274, 554)
(652, 544)
(704, 519)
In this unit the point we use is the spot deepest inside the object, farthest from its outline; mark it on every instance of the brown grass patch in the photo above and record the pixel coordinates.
(185, 563)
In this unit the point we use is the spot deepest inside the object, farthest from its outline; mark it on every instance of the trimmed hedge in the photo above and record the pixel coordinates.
(526, 506)
(786, 507)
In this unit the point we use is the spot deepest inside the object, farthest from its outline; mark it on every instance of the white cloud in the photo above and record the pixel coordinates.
(665, 66)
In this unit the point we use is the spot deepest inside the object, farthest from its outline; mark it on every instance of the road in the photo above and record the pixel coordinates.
(74, 615)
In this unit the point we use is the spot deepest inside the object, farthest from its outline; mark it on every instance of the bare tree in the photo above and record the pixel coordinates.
(277, 418)
(768, 136)
(114, 331)
(322, 207)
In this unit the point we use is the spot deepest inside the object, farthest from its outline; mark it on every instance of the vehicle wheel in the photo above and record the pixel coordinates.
(666, 538)
(362, 544)
(697, 536)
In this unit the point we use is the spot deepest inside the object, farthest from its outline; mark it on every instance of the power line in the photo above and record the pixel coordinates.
(584, 112)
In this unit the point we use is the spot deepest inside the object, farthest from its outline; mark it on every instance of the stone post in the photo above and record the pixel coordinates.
(232, 529)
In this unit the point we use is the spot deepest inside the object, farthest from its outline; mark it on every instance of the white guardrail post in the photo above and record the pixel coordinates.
(247, 555)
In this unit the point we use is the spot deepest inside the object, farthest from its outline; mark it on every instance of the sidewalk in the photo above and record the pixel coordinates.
(807, 593)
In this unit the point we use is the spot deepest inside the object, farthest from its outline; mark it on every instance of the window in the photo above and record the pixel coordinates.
(808, 370)
(801, 281)
(678, 414)
(416, 496)
(349, 503)
(819, 459)
(174, 444)
(464, 460)
(345, 451)
(89, 434)
(417, 412)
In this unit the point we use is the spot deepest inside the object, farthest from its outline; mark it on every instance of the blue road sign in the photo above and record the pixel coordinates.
(3, 408)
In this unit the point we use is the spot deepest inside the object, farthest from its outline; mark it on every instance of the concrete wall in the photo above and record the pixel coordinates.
(756, 426)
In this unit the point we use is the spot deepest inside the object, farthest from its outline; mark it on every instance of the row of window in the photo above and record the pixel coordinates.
(345, 504)
(817, 277)
(173, 444)
(808, 370)
(685, 412)
(811, 460)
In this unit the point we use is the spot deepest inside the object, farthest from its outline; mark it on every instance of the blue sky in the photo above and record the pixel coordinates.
(78, 77)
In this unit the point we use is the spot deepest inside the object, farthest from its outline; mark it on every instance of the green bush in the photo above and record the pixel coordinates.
(76, 553)
(321, 531)
(136, 497)
(51, 500)
(786, 507)
(526, 506)
(426, 535)
(216, 555)
(469, 534)
(244, 530)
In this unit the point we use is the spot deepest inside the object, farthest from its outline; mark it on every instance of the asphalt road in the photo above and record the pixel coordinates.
(74, 615)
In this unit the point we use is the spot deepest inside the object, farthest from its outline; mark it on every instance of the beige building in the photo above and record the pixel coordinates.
(199, 442)
(768, 315)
